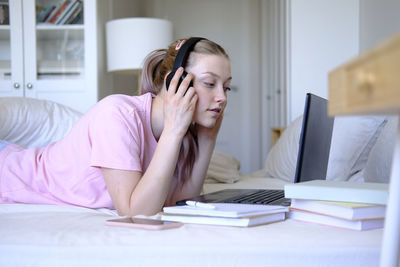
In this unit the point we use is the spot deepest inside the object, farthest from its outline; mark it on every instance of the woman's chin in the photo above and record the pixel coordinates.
(207, 123)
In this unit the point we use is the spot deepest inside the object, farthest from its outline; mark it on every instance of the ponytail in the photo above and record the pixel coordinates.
(150, 69)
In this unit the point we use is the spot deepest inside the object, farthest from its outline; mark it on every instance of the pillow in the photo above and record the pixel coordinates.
(352, 140)
(32, 122)
(379, 163)
(223, 168)
(281, 160)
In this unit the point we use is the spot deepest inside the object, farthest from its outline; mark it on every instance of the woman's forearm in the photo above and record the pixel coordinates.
(193, 186)
(152, 190)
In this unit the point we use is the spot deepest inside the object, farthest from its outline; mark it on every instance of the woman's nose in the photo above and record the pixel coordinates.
(221, 94)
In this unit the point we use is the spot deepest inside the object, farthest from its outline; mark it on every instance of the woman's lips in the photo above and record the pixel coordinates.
(215, 111)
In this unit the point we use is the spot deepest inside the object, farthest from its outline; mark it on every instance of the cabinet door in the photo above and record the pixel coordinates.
(11, 49)
(54, 49)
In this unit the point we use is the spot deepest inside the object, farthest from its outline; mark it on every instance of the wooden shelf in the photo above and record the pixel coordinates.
(368, 84)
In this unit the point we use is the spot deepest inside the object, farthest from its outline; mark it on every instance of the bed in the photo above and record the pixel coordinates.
(47, 235)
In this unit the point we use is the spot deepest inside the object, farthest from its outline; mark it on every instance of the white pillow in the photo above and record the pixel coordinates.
(379, 164)
(223, 168)
(282, 158)
(33, 122)
(352, 140)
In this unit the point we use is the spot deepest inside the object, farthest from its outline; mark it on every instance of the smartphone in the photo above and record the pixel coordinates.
(143, 223)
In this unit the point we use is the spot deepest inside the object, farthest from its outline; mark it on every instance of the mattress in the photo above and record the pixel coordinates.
(46, 235)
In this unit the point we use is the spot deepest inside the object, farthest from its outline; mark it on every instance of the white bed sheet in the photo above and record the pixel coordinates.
(44, 235)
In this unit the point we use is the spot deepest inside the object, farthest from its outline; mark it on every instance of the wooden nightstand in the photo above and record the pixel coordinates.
(276, 133)
(370, 84)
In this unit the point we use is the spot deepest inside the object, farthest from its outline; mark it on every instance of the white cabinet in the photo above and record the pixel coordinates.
(63, 62)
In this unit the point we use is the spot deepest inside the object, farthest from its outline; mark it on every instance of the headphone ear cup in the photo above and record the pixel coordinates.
(171, 75)
(169, 78)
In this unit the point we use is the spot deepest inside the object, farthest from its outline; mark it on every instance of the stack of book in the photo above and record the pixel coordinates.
(351, 205)
(4, 12)
(225, 214)
(67, 12)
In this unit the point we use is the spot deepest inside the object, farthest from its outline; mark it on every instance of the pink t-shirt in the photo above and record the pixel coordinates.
(115, 133)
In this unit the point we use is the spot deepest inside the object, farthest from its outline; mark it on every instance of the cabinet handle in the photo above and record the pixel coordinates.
(29, 85)
(365, 81)
(16, 85)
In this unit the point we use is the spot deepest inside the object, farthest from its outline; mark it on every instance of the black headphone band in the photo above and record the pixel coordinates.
(184, 52)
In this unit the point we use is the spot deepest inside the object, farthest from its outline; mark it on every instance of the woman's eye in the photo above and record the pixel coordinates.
(209, 84)
(227, 89)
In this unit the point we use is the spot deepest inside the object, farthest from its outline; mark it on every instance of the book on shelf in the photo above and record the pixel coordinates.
(4, 13)
(312, 217)
(229, 210)
(45, 13)
(46, 17)
(76, 17)
(342, 191)
(57, 12)
(66, 10)
(226, 221)
(345, 210)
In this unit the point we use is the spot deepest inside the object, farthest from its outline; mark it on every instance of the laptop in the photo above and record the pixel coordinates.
(312, 159)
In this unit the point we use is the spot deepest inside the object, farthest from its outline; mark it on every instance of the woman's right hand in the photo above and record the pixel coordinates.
(179, 104)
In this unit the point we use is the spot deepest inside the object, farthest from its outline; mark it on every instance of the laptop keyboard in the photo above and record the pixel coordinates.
(258, 197)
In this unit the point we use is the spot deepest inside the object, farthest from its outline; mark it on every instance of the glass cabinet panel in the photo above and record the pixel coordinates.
(59, 39)
(5, 45)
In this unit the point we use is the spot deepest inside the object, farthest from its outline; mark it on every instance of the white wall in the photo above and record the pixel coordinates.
(323, 35)
(379, 20)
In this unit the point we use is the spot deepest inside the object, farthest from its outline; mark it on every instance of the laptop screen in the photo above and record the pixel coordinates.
(315, 140)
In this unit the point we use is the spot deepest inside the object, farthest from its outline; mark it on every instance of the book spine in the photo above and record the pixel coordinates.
(77, 16)
(65, 11)
(70, 12)
(48, 14)
(43, 14)
(58, 12)
(359, 225)
(336, 194)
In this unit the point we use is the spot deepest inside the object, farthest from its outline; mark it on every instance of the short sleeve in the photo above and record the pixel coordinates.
(115, 140)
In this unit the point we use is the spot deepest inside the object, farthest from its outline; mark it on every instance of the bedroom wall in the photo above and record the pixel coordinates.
(123, 83)
(322, 35)
(379, 20)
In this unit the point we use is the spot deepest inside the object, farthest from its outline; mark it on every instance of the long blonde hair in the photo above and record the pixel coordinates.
(156, 66)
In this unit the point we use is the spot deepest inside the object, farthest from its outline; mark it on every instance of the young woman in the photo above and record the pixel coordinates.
(132, 153)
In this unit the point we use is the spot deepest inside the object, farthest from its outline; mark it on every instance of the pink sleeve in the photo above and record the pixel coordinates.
(115, 141)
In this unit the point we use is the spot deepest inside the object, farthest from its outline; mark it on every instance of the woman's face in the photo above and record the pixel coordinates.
(212, 78)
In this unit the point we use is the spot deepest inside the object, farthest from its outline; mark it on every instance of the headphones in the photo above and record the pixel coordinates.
(181, 58)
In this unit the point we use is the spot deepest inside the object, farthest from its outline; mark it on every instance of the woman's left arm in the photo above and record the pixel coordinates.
(206, 139)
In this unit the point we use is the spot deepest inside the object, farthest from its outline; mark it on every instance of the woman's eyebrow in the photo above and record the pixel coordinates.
(216, 75)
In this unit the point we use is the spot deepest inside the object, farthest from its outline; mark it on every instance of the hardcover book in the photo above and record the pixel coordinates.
(240, 221)
(345, 210)
(311, 217)
(343, 191)
(231, 210)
